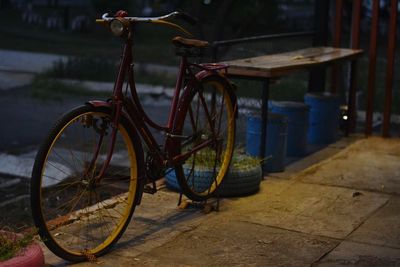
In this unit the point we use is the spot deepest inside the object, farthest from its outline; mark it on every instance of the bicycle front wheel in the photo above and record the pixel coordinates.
(206, 125)
(77, 215)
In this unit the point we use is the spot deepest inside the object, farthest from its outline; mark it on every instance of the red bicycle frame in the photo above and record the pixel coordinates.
(136, 114)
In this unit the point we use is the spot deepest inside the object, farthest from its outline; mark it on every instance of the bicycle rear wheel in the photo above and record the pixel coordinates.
(206, 119)
(76, 215)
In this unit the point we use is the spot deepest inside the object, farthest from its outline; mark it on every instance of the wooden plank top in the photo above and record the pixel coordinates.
(280, 64)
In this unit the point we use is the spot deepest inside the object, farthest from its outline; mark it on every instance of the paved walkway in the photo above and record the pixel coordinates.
(337, 207)
(17, 68)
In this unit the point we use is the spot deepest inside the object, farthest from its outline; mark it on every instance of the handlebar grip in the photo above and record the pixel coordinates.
(188, 18)
(101, 22)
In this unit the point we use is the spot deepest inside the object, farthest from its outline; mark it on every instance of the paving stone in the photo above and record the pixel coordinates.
(223, 242)
(383, 228)
(314, 209)
(356, 254)
(320, 155)
(295, 222)
(156, 221)
(292, 169)
(371, 164)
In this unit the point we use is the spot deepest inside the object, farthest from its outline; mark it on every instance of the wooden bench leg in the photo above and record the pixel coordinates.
(264, 121)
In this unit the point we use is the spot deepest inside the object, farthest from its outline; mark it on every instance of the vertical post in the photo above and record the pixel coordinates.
(337, 39)
(214, 52)
(390, 68)
(66, 18)
(372, 67)
(321, 16)
(264, 121)
(355, 44)
(321, 19)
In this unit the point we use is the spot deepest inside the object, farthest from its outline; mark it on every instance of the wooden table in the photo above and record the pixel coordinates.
(272, 66)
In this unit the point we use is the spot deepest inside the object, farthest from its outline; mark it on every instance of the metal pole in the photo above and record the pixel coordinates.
(337, 39)
(355, 44)
(321, 14)
(372, 67)
(264, 122)
(214, 52)
(390, 68)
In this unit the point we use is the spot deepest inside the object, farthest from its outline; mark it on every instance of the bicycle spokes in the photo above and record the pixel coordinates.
(209, 124)
(83, 214)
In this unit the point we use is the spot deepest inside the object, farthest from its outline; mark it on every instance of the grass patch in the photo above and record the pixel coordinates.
(11, 244)
(240, 161)
(161, 78)
(84, 68)
(92, 68)
(49, 89)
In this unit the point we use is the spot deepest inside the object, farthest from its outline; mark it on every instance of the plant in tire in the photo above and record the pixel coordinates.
(243, 177)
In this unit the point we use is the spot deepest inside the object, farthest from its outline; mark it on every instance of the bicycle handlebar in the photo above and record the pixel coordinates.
(186, 17)
(180, 15)
(106, 19)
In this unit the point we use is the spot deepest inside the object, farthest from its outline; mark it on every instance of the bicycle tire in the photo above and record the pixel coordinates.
(76, 217)
(214, 96)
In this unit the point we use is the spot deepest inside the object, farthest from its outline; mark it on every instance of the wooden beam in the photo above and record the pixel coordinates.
(372, 67)
(390, 68)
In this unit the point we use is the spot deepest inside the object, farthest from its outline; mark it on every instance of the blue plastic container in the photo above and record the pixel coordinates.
(276, 140)
(324, 118)
(297, 114)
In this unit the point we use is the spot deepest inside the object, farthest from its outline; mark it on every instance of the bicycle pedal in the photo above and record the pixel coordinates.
(149, 190)
(184, 205)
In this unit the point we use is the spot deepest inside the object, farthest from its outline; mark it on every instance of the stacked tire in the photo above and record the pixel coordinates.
(238, 182)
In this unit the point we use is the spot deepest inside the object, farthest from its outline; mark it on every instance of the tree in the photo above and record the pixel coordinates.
(226, 19)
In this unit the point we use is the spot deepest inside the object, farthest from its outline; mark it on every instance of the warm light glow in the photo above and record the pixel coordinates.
(345, 117)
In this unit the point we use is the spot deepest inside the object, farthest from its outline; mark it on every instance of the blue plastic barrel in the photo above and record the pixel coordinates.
(297, 114)
(276, 140)
(324, 118)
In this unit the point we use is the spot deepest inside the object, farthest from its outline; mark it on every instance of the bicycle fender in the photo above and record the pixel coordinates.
(99, 103)
(231, 87)
(106, 104)
(136, 143)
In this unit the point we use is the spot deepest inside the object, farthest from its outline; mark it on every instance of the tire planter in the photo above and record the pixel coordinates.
(238, 182)
(31, 256)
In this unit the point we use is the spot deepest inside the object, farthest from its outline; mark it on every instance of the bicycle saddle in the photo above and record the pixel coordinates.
(179, 41)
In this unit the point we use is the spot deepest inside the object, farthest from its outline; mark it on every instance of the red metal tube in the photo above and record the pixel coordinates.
(390, 68)
(355, 24)
(355, 44)
(372, 67)
(337, 38)
(178, 88)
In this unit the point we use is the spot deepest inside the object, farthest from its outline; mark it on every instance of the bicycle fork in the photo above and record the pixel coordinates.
(117, 107)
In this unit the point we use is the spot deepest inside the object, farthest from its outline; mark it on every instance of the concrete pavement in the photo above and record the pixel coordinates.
(338, 207)
(17, 68)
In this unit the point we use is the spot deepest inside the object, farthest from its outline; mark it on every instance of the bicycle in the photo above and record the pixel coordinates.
(91, 170)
